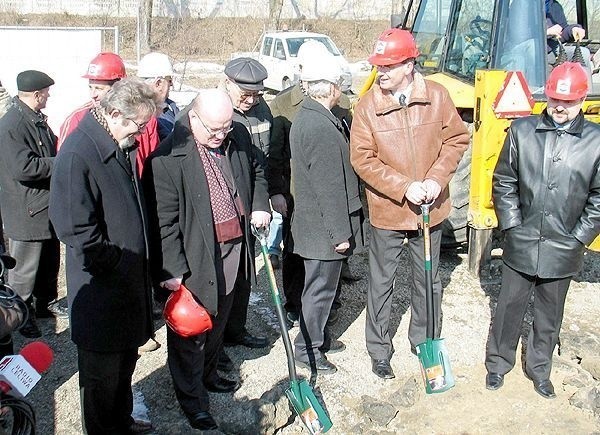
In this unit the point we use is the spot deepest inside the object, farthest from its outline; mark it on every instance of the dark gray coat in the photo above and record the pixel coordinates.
(258, 121)
(325, 188)
(546, 191)
(98, 214)
(27, 150)
(183, 235)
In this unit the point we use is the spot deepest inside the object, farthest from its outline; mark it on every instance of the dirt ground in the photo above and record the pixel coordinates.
(357, 401)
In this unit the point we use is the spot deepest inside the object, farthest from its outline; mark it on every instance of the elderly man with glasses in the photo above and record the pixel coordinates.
(98, 212)
(244, 83)
(204, 187)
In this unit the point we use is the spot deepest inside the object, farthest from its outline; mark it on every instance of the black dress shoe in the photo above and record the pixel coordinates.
(494, 381)
(274, 259)
(248, 340)
(544, 389)
(52, 310)
(203, 421)
(335, 346)
(30, 329)
(224, 363)
(139, 426)
(347, 275)
(321, 366)
(222, 385)
(382, 368)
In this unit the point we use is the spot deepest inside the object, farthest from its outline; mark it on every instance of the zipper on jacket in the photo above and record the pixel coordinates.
(411, 145)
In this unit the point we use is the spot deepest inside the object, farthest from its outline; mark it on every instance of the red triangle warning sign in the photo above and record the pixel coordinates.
(514, 99)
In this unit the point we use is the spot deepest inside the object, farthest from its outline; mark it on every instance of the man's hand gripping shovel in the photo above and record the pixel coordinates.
(300, 393)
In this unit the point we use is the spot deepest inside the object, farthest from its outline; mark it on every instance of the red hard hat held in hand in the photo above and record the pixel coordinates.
(106, 66)
(185, 315)
(567, 82)
(393, 46)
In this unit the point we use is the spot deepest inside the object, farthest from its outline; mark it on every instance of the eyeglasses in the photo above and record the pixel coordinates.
(140, 127)
(248, 95)
(213, 133)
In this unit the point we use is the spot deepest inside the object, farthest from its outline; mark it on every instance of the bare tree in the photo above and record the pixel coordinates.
(145, 25)
(275, 7)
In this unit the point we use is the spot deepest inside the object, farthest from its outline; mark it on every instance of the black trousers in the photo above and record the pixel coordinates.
(236, 324)
(320, 285)
(384, 253)
(548, 309)
(105, 390)
(193, 361)
(292, 274)
(36, 271)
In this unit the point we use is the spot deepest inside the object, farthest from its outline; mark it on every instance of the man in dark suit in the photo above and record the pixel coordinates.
(27, 150)
(204, 187)
(98, 211)
(327, 214)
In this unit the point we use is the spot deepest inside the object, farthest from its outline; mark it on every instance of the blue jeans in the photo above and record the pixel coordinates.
(275, 234)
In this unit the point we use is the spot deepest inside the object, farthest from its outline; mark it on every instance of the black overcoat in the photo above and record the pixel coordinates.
(183, 238)
(97, 211)
(546, 191)
(27, 150)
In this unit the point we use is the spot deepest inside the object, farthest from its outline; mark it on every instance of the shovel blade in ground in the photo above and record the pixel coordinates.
(307, 406)
(435, 366)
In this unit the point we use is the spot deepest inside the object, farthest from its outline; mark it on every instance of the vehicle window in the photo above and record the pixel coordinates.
(279, 52)
(521, 44)
(429, 29)
(267, 46)
(295, 43)
(470, 43)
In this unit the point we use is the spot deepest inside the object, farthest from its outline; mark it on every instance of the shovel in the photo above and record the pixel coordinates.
(300, 393)
(432, 354)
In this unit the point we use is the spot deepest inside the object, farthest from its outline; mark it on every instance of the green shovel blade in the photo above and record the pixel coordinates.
(307, 406)
(435, 366)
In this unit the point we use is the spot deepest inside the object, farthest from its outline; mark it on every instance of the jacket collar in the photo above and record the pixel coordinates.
(27, 111)
(105, 144)
(545, 123)
(385, 102)
(297, 94)
(310, 104)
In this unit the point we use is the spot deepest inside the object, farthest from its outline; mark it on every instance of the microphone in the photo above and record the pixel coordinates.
(20, 373)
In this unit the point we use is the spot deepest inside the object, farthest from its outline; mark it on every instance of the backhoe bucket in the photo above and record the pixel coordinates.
(435, 366)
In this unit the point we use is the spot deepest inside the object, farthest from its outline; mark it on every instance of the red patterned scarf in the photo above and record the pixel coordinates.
(225, 215)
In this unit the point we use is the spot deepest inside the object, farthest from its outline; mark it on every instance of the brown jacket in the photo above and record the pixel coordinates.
(392, 146)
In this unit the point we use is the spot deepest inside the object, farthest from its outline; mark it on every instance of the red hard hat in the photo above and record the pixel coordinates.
(568, 81)
(106, 66)
(184, 315)
(393, 46)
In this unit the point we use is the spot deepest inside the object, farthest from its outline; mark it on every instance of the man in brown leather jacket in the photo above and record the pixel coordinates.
(406, 141)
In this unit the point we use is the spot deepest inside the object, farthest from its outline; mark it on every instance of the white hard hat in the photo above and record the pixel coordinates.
(155, 65)
(309, 50)
(324, 67)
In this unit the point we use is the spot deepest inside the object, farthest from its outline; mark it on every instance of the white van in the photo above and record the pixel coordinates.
(279, 51)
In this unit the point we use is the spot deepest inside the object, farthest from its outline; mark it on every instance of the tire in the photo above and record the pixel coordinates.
(455, 228)
(285, 83)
